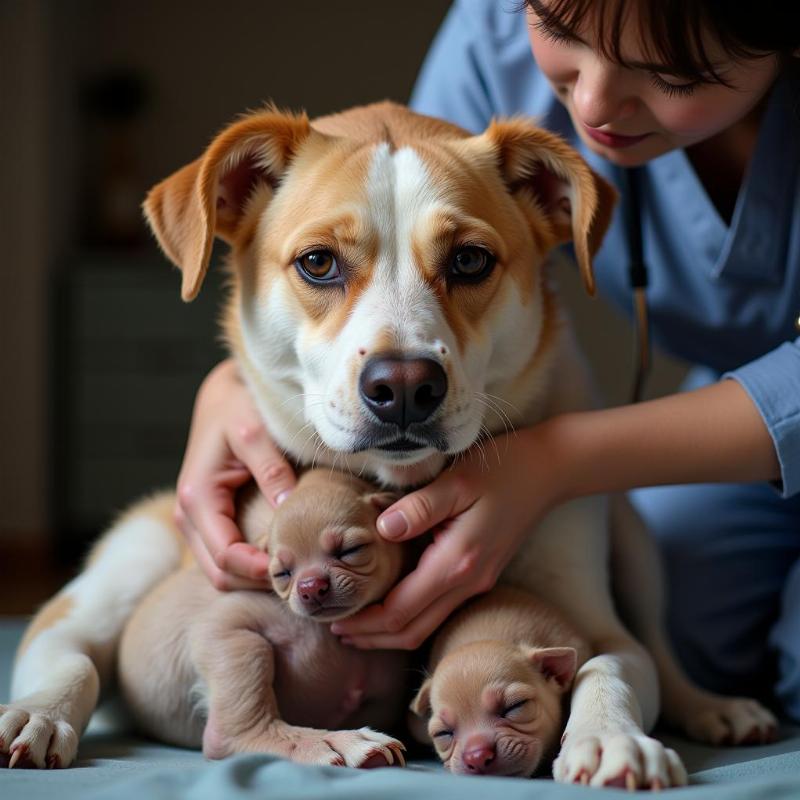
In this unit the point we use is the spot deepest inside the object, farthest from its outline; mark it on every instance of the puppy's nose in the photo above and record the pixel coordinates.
(402, 390)
(479, 759)
(313, 589)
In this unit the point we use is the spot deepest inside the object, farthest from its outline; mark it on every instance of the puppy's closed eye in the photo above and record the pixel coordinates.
(353, 554)
(514, 709)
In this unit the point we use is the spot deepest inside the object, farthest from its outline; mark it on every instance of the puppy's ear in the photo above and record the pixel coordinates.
(558, 663)
(210, 196)
(421, 704)
(382, 500)
(577, 202)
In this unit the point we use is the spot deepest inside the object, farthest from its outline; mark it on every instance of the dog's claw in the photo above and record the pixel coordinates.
(16, 754)
(630, 781)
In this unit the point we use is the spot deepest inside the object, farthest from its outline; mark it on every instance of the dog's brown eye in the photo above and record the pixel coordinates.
(318, 266)
(471, 264)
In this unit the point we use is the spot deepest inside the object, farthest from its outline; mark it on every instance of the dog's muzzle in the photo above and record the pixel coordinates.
(403, 394)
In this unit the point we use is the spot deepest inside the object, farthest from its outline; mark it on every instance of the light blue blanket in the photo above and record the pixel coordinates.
(122, 767)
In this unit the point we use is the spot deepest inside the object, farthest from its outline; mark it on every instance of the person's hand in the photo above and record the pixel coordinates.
(480, 511)
(228, 446)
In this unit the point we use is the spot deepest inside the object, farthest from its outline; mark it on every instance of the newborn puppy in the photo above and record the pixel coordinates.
(499, 671)
(327, 560)
(254, 671)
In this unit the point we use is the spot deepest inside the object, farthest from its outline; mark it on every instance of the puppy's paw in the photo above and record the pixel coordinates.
(622, 760)
(722, 720)
(365, 748)
(34, 737)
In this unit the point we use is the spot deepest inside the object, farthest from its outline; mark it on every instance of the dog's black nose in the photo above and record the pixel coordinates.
(402, 390)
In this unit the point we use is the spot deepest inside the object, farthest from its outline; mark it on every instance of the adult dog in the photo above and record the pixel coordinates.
(388, 278)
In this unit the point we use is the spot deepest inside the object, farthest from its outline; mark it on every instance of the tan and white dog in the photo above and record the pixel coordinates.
(389, 289)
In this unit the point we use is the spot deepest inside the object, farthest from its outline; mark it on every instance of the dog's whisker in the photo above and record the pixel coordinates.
(302, 395)
(491, 401)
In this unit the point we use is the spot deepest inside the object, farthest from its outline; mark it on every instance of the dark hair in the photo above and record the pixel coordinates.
(672, 31)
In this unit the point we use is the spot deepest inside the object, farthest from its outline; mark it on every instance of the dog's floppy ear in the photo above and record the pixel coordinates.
(421, 704)
(577, 202)
(209, 197)
(558, 663)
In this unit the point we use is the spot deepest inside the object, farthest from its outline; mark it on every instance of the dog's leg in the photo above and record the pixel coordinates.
(638, 584)
(236, 662)
(67, 655)
(613, 703)
(615, 696)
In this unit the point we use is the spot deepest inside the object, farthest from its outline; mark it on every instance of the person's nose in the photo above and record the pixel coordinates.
(602, 95)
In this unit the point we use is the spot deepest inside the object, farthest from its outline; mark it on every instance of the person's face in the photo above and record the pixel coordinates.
(630, 115)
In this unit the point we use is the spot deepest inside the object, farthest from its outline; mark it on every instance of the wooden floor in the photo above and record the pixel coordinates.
(28, 577)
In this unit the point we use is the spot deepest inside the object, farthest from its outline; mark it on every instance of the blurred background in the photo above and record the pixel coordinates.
(99, 358)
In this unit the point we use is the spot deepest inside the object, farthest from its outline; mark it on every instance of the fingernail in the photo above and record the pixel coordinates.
(281, 496)
(336, 628)
(393, 524)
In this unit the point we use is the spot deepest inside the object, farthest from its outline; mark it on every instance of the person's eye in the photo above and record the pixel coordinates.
(673, 89)
(554, 35)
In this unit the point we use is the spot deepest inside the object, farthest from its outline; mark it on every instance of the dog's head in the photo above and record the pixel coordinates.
(389, 302)
(494, 707)
(327, 560)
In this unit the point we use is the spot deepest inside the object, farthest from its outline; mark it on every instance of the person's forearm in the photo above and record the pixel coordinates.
(714, 434)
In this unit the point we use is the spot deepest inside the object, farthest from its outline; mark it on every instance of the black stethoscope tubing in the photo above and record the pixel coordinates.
(637, 276)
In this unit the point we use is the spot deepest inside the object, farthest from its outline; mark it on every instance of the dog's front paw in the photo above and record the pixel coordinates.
(722, 720)
(365, 748)
(623, 760)
(34, 737)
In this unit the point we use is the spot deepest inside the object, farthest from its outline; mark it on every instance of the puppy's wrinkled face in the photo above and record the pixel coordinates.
(495, 708)
(327, 560)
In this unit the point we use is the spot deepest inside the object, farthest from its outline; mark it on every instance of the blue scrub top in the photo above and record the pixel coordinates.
(722, 296)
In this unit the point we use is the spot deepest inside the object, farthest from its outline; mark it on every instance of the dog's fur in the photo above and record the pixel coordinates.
(440, 240)
(255, 671)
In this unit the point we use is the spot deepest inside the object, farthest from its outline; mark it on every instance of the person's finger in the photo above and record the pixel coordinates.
(255, 449)
(207, 523)
(223, 581)
(223, 540)
(418, 630)
(418, 512)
